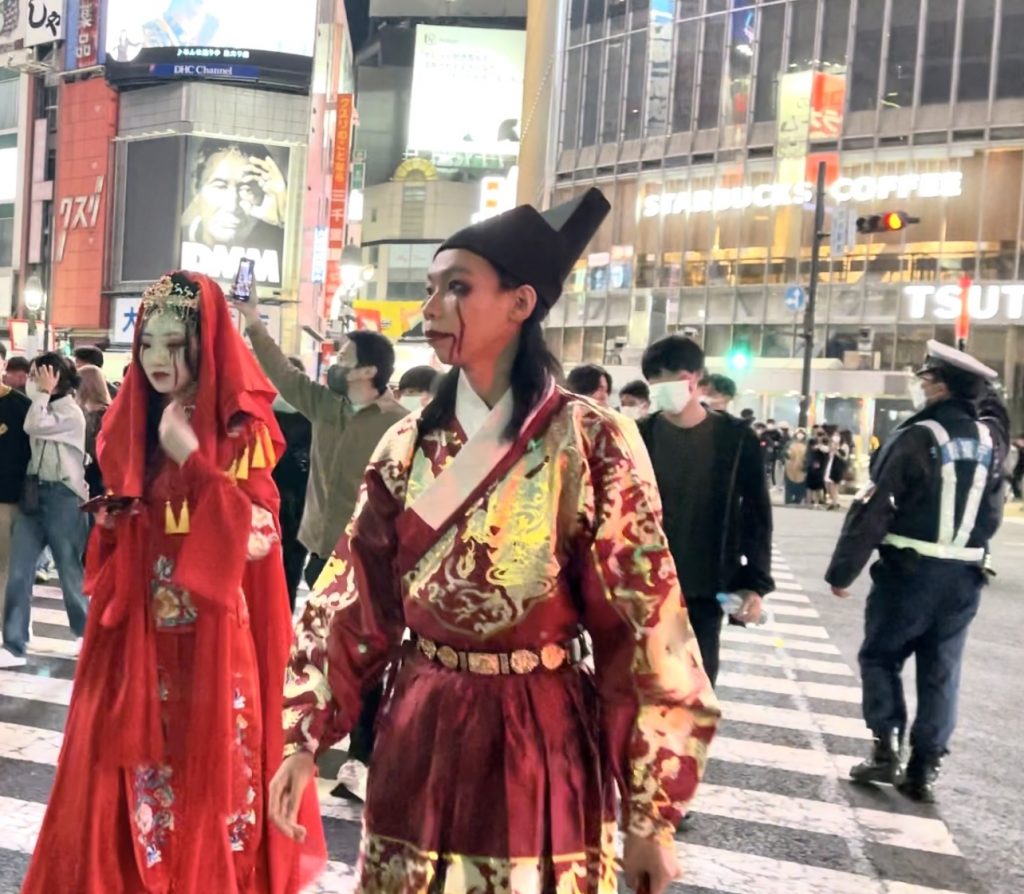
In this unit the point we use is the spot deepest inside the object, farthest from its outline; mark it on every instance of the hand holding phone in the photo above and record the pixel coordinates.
(242, 288)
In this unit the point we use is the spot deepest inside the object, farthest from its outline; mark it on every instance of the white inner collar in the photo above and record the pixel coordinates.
(472, 412)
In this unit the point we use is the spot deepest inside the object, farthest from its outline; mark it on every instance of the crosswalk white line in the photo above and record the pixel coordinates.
(724, 870)
(781, 757)
(782, 686)
(26, 743)
(777, 596)
(792, 719)
(825, 818)
(789, 585)
(41, 689)
(767, 659)
(53, 616)
(20, 822)
(53, 648)
(811, 631)
(784, 610)
(763, 637)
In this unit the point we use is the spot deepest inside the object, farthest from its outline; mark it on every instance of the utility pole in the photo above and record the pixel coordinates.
(812, 295)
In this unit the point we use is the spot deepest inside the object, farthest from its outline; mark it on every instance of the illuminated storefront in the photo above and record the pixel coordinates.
(705, 122)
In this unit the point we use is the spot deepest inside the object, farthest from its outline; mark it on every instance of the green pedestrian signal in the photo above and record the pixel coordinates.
(738, 358)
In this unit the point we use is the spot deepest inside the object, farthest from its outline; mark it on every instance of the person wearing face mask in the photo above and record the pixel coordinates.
(635, 400)
(933, 504)
(416, 387)
(49, 509)
(717, 511)
(349, 415)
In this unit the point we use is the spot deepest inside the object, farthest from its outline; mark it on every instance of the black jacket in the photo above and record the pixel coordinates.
(14, 445)
(904, 493)
(743, 508)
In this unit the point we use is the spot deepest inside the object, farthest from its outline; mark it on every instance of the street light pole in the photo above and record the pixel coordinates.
(812, 295)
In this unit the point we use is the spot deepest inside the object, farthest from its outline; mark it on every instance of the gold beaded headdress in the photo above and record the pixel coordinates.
(166, 296)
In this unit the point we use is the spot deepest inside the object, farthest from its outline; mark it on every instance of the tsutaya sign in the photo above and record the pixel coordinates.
(998, 303)
(943, 184)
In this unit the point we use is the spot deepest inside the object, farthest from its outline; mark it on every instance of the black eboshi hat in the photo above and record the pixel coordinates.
(539, 249)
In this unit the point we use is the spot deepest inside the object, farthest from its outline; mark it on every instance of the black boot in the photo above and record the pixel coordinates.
(918, 782)
(885, 763)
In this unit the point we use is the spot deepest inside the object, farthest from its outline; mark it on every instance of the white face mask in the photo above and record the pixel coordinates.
(917, 395)
(412, 402)
(672, 397)
(635, 413)
(32, 390)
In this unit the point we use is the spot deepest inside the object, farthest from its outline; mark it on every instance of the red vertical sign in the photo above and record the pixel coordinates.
(963, 323)
(339, 197)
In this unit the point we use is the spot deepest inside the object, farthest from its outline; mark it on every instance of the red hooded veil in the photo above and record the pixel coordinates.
(114, 721)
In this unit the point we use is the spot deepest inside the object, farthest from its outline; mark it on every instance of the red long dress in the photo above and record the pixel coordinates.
(173, 732)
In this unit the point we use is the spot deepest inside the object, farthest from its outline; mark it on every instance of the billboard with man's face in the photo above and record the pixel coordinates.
(235, 206)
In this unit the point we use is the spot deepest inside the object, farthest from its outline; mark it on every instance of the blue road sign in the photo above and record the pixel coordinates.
(796, 298)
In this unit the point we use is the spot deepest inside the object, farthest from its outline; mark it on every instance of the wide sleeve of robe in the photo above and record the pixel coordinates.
(659, 712)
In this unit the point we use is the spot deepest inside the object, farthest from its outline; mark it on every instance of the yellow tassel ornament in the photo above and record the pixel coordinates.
(176, 526)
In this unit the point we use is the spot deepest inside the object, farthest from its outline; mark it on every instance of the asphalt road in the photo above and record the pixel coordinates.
(982, 780)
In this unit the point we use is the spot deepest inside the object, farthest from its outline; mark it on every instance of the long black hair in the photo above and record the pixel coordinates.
(533, 366)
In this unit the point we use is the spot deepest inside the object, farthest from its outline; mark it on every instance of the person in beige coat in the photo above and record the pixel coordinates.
(349, 416)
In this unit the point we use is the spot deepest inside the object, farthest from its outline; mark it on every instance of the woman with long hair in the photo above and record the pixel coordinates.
(94, 398)
(174, 723)
(49, 513)
(499, 524)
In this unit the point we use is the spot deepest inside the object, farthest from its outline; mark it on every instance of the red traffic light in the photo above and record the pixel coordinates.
(889, 222)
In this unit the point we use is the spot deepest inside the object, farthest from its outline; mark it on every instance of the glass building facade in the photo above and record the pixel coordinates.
(705, 123)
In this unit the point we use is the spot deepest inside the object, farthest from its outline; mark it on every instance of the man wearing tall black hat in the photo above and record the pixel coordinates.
(495, 524)
(933, 504)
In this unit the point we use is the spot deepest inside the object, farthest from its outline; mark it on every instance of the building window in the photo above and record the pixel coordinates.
(576, 12)
(939, 47)
(637, 77)
(6, 235)
(867, 55)
(834, 34)
(804, 22)
(570, 119)
(591, 94)
(899, 72)
(612, 121)
(595, 19)
(976, 50)
(712, 60)
(686, 65)
(9, 103)
(769, 62)
(1010, 82)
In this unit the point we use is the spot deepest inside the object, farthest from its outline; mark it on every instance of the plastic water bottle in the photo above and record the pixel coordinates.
(733, 602)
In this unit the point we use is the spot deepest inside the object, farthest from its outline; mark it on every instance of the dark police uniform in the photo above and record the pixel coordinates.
(934, 502)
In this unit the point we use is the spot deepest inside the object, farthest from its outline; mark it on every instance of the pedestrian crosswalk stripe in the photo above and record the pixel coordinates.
(26, 743)
(742, 657)
(777, 596)
(718, 869)
(826, 818)
(788, 718)
(781, 757)
(61, 648)
(811, 631)
(784, 610)
(36, 688)
(56, 617)
(761, 636)
(781, 686)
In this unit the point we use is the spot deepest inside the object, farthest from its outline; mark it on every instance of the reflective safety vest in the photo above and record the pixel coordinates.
(952, 540)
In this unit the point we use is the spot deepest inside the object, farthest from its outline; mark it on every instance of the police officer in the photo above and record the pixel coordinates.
(934, 502)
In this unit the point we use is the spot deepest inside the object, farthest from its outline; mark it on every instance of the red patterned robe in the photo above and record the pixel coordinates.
(508, 783)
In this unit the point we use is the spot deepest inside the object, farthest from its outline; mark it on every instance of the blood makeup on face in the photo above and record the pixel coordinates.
(162, 355)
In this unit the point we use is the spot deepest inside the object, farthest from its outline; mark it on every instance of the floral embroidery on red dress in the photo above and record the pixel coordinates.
(172, 606)
(153, 811)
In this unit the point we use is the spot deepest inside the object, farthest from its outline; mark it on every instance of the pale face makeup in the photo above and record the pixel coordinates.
(163, 354)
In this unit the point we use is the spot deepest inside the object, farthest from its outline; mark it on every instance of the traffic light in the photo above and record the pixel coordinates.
(887, 222)
(738, 357)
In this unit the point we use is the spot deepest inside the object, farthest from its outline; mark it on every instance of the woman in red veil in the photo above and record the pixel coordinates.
(175, 722)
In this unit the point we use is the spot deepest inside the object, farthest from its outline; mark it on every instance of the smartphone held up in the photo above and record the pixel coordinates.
(241, 290)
